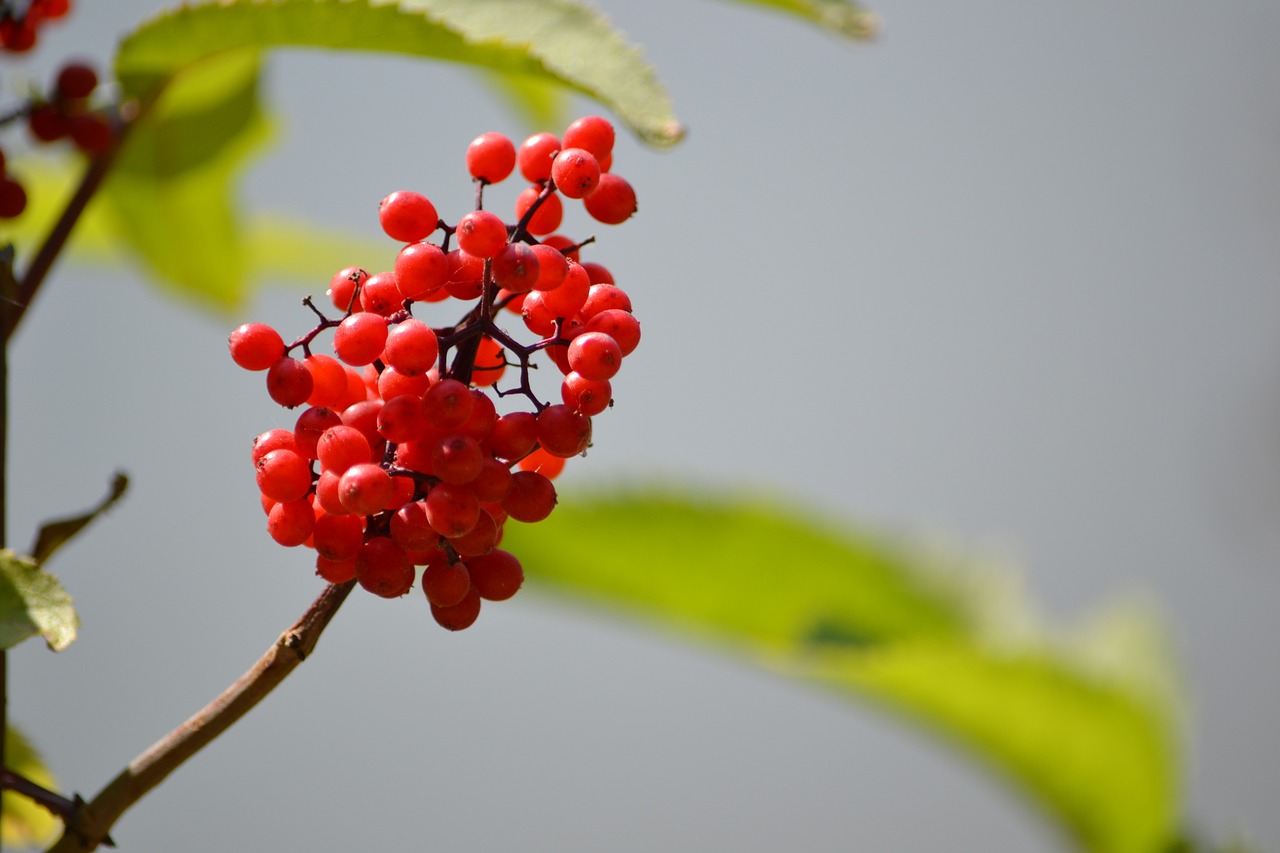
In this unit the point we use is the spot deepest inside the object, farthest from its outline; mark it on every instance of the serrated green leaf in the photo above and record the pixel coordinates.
(32, 601)
(1082, 724)
(838, 16)
(23, 823)
(561, 41)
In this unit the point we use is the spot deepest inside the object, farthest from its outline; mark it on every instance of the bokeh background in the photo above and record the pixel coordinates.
(1005, 279)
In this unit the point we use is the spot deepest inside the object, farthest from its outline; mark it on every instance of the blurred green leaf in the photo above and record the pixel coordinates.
(838, 16)
(1083, 723)
(23, 823)
(54, 534)
(561, 41)
(539, 104)
(171, 192)
(32, 601)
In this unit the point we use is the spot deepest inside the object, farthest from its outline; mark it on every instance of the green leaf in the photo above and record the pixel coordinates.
(32, 601)
(561, 41)
(538, 103)
(170, 193)
(838, 16)
(54, 534)
(1081, 723)
(23, 823)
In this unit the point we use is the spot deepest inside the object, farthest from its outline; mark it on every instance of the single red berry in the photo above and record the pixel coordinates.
(598, 273)
(513, 435)
(364, 489)
(535, 156)
(595, 355)
(448, 404)
(461, 615)
(383, 568)
(47, 123)
(75, 80)
(562, 431)
(380, 294)
(338, 537)
(289, 382)
(586, 396)
(402, 419)
(393, 383)
(493, 482)
(547, 217)
(290, 523)
(466, 275)
(91, 132)
(421, 270)
(612, 202)
(496, 576)
(329, 381)
(491, 157)
(553, 266)
(490, 363)
(360, 338)
(531, 498)
(593, 133)
(515, 268)
(342, 288)
(312, 424)
(284, 476)
(543, 463)
(452, 510)
(340, 447)
(457, 459)
(480, 539)
(567, 300)
(336, 571)
(13, 198)
(445, 584)
(620, 325)
(481, 234)
(604, 297)
(273, 439)
(411, 348)
(410, 528)
(255, 346)
(407, 216)
(576, 172)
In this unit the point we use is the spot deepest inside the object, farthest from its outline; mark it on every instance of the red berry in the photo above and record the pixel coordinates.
(543, 463)
(445, 584)
(76, 80)
(452, 510)
(515, 268)
(284, 476)
(595, 355)
(360, 338)
(311, 424)
(338, 537)
(491, 157)
(459, 616)
(411, 348)
(553, 266)
(342, 288)
(547, 217)
(255, 346)
(490, 363)
(567, 300)
(290, 524)
(612, 202)
(273, 439)
(457, 459)
(336, 571)
(466, 275)
(586, 396)
(593, 133)
(91, 132)
(514, 435)
(562, 431)
(532, 497)
(620, 325)
(340, 447)
(410, 528)
(496, 576)
(448, 404)
(535, 156)
(576, 172)
(380, 294)
(407, 216)
(289, 382)
(329, 381)
(421, 269)
(383, 568)
(481, 234)
(47, 123)
(364, 489)
(13, 198)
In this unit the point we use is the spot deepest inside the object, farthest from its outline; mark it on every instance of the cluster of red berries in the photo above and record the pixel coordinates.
(65, 114)
(403, 458)
(20, 22)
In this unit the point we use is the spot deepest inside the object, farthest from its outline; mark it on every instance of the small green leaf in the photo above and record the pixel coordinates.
(562, 41)
(838, 16)
(54, 534)
(32, 601)
(1082, 723)
(23, 823)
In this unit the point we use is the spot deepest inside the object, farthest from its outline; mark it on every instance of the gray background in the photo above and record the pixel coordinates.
(1013, 271)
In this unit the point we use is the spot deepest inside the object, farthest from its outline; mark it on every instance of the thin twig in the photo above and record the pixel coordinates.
(149, 769)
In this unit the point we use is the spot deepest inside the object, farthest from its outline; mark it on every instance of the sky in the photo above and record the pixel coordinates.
(1012, 269)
